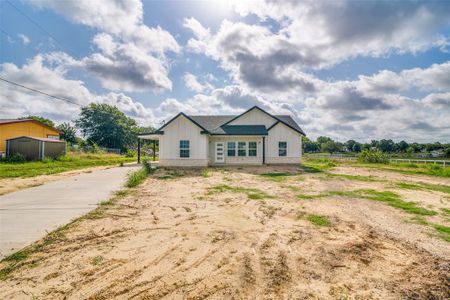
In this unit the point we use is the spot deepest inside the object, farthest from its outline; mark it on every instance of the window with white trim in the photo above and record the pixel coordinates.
(184, 148)
(231, 148)
(282, 148)
(251, 148)
(242, 148)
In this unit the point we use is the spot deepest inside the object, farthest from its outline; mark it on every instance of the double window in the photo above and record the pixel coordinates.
(231, 148)
(242, 148)
(282, 148)
(184, 148)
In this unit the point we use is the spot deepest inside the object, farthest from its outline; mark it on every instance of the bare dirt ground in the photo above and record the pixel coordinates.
(172, 238)
(8, 185)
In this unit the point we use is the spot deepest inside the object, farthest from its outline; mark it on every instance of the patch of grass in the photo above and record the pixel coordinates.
(172, 174)
(318, 220)
(391, 198)
(353, 177)
(419, 220)
(136, 178)
(276, 176)
(405, 168)
(424, 186)
(71, 161)
(317, 165)
(444, 231)
(309, 197)
(97, 260)
(251, 193)
(446, 211)
(206, 173)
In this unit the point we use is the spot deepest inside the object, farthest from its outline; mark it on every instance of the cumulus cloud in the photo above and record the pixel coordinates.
(132, 56)
(39, 74)
(315, 35)
(192, 83)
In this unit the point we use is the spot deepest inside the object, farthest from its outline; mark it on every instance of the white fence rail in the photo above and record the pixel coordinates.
(444, 163)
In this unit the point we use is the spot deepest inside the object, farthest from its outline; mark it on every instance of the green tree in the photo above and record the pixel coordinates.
(386, 145)
(68, 133)
(309, 146)
(46, 121)
(323, 139)
(402, 146)
(349, 145)
(106, 126)
(331, 147)
(356, 147)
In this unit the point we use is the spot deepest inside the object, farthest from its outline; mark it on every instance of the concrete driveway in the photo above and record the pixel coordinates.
(27, 215)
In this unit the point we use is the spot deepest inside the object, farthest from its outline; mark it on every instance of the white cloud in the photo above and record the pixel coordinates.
(132, 55)
(25, 39)
(38, 73)
(192, 83)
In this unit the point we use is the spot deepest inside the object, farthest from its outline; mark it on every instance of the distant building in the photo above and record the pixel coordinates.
(13, 128)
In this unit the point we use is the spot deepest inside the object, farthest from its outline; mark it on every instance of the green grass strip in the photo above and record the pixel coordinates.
(250, 192)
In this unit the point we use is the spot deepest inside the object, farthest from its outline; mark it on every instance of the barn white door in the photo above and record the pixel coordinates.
(220, 152)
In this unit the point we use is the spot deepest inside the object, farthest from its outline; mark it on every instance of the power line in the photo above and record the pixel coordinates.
(36, 24)
(40, 92)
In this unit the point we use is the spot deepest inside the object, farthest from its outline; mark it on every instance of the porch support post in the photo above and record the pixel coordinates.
(139, 150)
(154, 149)
(264, 150)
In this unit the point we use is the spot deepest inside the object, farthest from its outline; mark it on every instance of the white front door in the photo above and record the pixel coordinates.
(220, 152)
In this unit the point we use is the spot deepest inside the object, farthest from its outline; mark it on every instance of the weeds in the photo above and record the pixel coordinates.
(97, 260)
(135, 178)
(317, 165)
(424, 186)
(251, 193)
(353, 177)
(318, 220)
(205, 173)
(390, 198)
(172, 174)
(276, 176)
(444, 231)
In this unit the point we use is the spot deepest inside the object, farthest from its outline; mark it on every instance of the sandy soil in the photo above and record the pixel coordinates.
(171, 239)
(8, 185)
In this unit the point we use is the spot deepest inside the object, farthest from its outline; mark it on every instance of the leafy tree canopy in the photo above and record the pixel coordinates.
(46, 121)
(68, 133)
(106, 126)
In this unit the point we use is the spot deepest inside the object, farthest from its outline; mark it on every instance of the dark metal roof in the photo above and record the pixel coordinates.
(36, 138)
(214, 124)
(290, 122)
(211, 123)
(240, 130)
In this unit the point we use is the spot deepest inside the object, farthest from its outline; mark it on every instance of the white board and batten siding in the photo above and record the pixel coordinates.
(279, 133)
(183, 129)
(254, 117)
(282, 133)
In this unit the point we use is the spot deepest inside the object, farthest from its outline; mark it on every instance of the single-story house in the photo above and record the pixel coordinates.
(254, 137)
(12, 128)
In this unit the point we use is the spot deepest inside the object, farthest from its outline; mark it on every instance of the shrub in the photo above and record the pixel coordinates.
(16, 158)
(377, 156)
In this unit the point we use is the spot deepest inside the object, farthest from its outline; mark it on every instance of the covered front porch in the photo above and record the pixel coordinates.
(236, 150)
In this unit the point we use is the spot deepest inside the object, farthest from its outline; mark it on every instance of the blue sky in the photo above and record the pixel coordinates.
(363, 70)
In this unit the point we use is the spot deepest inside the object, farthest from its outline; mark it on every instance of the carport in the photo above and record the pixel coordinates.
(154, 138)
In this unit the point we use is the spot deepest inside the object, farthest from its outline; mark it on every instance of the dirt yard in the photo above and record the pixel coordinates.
(347, 233)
